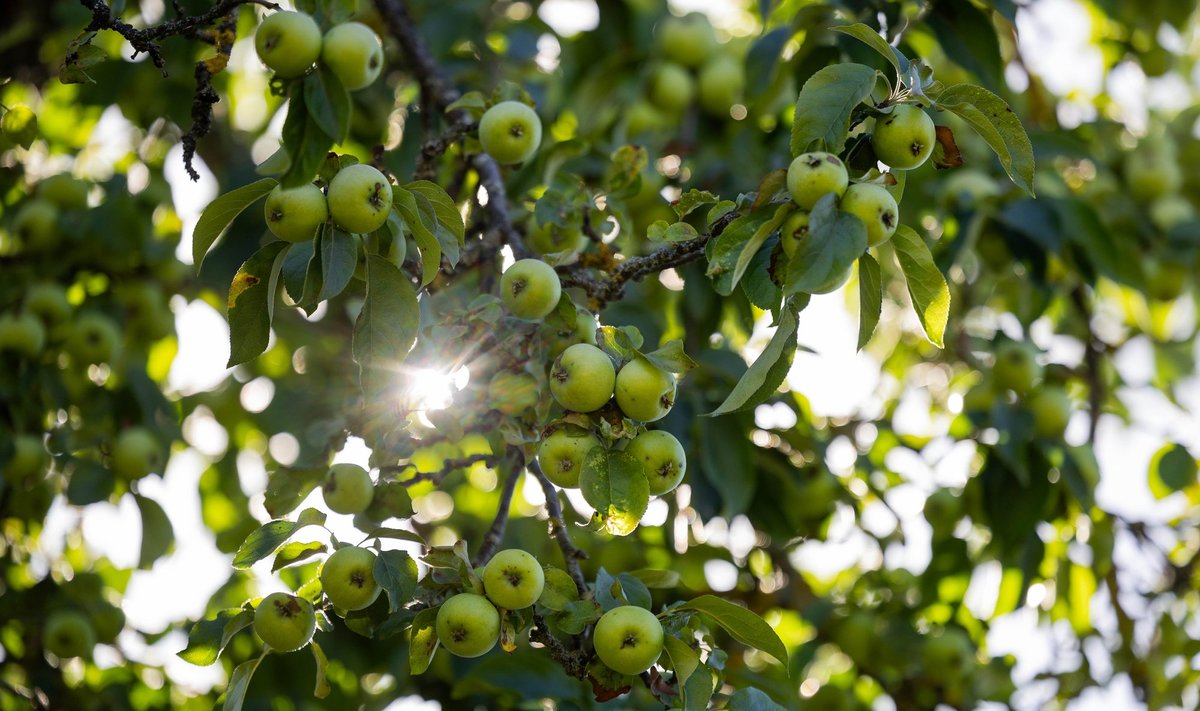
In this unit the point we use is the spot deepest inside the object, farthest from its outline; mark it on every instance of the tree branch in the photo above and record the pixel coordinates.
(491, 539)
(558, 530)
(573, 661)
(450, 465)
(1091, 359)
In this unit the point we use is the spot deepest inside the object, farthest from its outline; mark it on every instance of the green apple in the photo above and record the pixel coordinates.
(672, 88)
(294, 214)
(943, 509)
(582, 378)
(512, 393)
(662, 458)
(510, 132)
(967, 187)
(288, 43)
(561, 455)
(949, 655)
(27, 461)
(1166, 279)
(22, 333)
(628, 639)
(1170, 210)
(108, 620)
(20, 125)
(644, 391)
(722, 81)
(468, 625)
(285, 622)
(877, 209)
(530, 289)
(817, 496)
(584, 331)
(551, 239)
(360, 198)
(513, 579)
(36, 225)
(792, 235)
(904, 139)
(1016, 367)
(65, 190)
(688, 40)
(812, 176)
(348, 488)
(354, 53)
(94, 338)
(348, 578)
(48, 301)
(980, 397)
(68, 633)
(147, 315)
(643, 117)
(1051, 408)
(1151, 170)
(136, 454)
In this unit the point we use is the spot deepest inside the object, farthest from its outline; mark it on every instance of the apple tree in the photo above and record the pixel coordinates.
(533, 310)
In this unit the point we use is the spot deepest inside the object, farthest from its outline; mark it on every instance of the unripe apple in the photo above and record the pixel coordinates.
(949, 654)
(68, 633)
(510, 132)
(348, 578)
(48, 301)
(108, 620)
(1151, 170)
(285, 622)
(662, 458)
(288, 43)
(817, 496)
(468, 625)
(513, 393)
(550, 239)
(688, 40)
(530, 289)
(812, 176)
(28, 459)
(148, 317)
(1170, 210)
(94, 338)
(1166, 279)
(22, 333)
(582, 378)
(65, 190)
(136, 453)
(1016, 368)
(348, 489)
(967, 187)
(294, 214)
(672, 88)
(1051, 409)
(628, 639)
(354, 53)
(980, 397)
(584, 331)
(722, 81)
(36, 225)
(360, 199)
(20, 125)
(904, 139)
(877, 209)
(943, 509)
(644, 391)
(513, 579)
(561, 455)
(792, 235)
(643, 116)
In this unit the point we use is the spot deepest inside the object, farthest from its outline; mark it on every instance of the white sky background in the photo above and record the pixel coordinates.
(838, 382)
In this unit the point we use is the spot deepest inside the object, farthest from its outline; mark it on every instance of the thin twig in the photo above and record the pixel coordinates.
(436, 476)
(573, 661)
(1091, 359)
(491, 539)
(558, 530)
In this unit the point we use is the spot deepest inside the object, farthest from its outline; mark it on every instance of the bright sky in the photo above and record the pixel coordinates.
(837, 380)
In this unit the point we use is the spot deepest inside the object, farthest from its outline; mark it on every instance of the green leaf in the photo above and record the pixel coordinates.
(671, 358)
(1081, 587)
(157, 534)
(663, 231)
(239, 683)
(297, 552)
(657, 579)
(208, 637)
(997, 124)
(622, 343)
(762, 61)
(755, 243)
(287, 488)
(451, 230)
(872, 39)
(692, 200)
(835, 239)
(724, 449)
(684, 659)
(623, 176)
(1172, 469)
(764, 376)
(422, 641)
(559, 589)
(90, 482)
(727, 249)
(386, 328)
(307, 143)
(431, 249)
(741, 624)
(968, 37)
(321, 687)
(220, 214)
(295, 267)
(268, 537)
(339, 258)
(328, 102)
(926, 283)
(870, 298)
(614, 484)
(396, 572)
(751, 699)
(825, 103)
(252, 303)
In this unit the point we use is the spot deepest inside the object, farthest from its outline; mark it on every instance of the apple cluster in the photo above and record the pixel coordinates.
(1016, 375)
(290, 43)
(359, 200)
